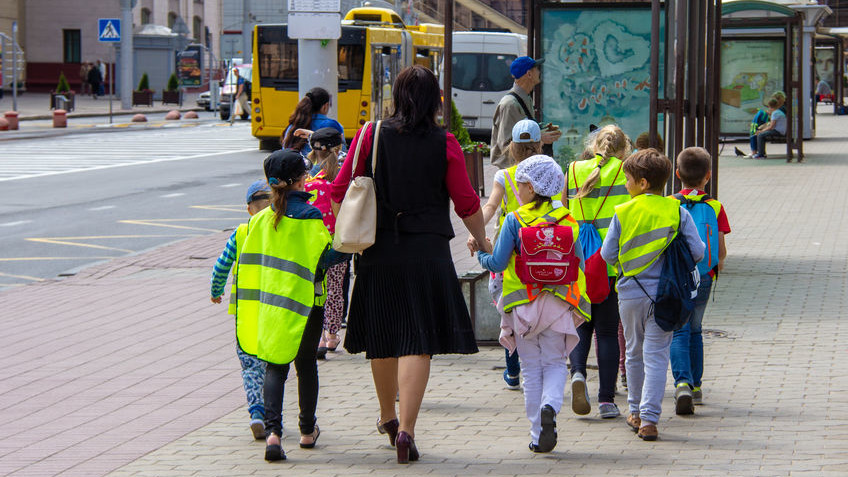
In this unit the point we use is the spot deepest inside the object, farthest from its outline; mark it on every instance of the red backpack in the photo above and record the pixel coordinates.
(546, 255)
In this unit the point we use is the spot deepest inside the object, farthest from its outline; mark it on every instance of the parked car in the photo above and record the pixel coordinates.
(204, 100)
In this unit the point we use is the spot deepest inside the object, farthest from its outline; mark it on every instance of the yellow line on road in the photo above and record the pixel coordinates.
(25, 277)
(162, 223)
(87, 245)
(224, 208)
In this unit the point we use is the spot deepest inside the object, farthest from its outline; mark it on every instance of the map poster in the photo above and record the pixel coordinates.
(189, 67)
(751, 71)
(596, 71)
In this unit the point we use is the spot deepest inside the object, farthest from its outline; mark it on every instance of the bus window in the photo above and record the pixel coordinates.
(481, 71)
(386, 62)
(423, 58)
(351, 66)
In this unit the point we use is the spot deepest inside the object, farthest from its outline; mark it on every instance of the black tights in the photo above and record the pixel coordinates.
(307, 380)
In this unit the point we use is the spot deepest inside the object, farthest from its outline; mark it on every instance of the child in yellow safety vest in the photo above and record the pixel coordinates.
(281, 290)
(638, 234)
(252, 368)
(526, 142)
(538, 319)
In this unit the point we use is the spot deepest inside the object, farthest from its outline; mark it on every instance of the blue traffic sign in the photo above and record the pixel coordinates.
(109, 29)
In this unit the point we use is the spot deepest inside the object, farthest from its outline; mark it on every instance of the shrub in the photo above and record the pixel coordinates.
(144, 84)
(63, 86)
(173, 83)
(458, 128)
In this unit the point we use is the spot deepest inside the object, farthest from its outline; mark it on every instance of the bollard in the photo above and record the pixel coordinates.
(4, 125)
(139, 118)
(172, 115)
(190, 115)
(60, 118)
(12, 119)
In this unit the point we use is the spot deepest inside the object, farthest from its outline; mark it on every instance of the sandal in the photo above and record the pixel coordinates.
(332, 341)
(274, 452)
(314, 436)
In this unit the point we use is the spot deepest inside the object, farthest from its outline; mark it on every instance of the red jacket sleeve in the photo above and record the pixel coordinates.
(465, 200)
(340, 184)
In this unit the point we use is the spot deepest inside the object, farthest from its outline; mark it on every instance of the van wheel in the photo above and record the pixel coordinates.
(269, 144)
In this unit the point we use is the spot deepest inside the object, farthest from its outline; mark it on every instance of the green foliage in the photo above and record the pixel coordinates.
(63, 86)
(173, 83)
(144, 84)
(458, 128)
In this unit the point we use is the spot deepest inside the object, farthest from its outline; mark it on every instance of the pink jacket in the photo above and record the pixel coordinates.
(546, 311)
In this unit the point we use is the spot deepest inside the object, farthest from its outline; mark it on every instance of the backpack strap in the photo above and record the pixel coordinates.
(609, 189)
(523, 105)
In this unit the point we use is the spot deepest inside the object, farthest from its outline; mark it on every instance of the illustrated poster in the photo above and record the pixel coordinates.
(751, 71)
(596, 71)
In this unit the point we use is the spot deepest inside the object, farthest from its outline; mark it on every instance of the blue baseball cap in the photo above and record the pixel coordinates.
(526, 130)
(521, 65)
(255, 188)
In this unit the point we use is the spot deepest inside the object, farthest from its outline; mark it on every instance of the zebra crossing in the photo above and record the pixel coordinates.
(74, 153)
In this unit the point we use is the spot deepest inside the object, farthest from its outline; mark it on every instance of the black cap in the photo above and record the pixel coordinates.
(285, 167)
(325, 139)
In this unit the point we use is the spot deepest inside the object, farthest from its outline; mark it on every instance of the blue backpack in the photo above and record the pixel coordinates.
(678, 286)
(706, 221)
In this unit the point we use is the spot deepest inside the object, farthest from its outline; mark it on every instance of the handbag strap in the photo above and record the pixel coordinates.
(358, 147)
(374, 149)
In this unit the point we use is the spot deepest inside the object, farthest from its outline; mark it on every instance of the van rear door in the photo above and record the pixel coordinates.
(468, 99)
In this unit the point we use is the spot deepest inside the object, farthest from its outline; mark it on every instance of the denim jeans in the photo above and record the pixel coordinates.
(687, 346)
(647, 358)
(604, 324)
(513, 365)
(761, 140)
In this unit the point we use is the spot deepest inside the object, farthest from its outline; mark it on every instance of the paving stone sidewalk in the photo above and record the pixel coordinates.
(127, 370)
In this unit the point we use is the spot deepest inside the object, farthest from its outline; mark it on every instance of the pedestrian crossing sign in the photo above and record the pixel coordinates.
(109, 29)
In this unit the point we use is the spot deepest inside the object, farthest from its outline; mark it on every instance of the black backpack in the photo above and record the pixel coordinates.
(678, 286)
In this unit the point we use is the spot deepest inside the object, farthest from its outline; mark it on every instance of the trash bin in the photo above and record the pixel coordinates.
(60, 101)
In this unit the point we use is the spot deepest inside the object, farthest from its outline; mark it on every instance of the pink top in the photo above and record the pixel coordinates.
(320, 190)
(465, 200)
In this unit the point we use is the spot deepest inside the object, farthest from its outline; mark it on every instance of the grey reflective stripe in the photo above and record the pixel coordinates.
(516, 296)
(600, 192)
(277, 264)
(599, 222)
(640, 261)
(646, 238)
(274, 300)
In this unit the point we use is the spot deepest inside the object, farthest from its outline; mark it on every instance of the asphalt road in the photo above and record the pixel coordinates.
(72, 201)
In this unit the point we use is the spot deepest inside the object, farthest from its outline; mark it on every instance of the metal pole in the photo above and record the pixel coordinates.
(713, 102)
(448, 94)
(127, 55)
(246, 32)
(112, 82)
(655, 73)
(14, 66)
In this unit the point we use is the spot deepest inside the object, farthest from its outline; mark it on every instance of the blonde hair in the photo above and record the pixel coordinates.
(610, 141)
(328, 160)
(522, 150)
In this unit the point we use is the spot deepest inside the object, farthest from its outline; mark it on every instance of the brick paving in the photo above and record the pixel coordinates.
(127, 370)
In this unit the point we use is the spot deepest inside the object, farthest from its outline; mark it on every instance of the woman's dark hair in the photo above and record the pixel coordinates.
(416, 98)
(301, 118)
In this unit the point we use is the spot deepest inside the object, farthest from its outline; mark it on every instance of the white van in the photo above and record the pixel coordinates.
(480, 75)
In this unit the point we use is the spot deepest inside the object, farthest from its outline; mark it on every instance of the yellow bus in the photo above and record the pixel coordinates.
(374, 47)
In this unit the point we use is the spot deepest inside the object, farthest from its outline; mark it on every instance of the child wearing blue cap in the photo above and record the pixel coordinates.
(252, 368)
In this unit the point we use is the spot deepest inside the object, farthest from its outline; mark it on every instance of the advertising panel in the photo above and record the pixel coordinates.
(190, 67)
(826, 65)
(596, 71)
(751, 71)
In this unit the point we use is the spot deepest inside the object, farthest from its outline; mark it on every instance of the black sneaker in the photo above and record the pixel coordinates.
(548, 436)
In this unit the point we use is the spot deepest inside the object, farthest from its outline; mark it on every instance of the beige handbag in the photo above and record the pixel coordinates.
(356, 222)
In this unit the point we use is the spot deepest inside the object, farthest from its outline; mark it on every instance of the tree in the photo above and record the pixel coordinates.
(144, 84)
(173, 83)
(63, 86)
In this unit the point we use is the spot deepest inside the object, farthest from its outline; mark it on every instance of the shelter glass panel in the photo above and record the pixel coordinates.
(751, 71)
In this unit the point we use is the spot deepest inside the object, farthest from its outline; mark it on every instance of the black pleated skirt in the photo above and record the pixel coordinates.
(407, 300)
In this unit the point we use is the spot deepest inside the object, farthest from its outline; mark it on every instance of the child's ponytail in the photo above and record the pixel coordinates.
(278, 201)
(610, 141)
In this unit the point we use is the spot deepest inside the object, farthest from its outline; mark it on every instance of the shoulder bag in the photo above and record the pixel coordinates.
(356, 223)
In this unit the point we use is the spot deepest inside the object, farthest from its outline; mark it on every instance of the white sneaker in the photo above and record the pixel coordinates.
(579, 395)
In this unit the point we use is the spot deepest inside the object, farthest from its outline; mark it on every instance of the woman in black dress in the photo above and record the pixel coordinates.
(407, 304)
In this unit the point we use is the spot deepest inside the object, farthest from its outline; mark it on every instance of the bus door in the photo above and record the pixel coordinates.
(385, 66)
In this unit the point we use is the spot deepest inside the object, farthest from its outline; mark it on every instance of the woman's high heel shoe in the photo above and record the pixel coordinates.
(332, 340)
(406, 450)
(389, 427)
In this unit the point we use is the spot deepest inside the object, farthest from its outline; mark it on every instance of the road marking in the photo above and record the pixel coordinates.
(12, 224)
(25, 277)
(175, 194)
(235, 184)
(223, 208)
(25, 259)
(87, 245)
(163, 223)
(103, 207)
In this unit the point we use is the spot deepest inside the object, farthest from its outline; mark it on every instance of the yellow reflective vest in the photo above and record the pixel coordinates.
(648, 224)
(516, 293)
(276, 289)
(241, 235)
(600, 204)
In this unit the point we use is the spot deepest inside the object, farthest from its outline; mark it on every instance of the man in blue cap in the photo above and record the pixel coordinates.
(515, 106)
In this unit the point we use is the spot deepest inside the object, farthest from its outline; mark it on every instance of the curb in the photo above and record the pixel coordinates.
(90, 129)
(43, 117)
